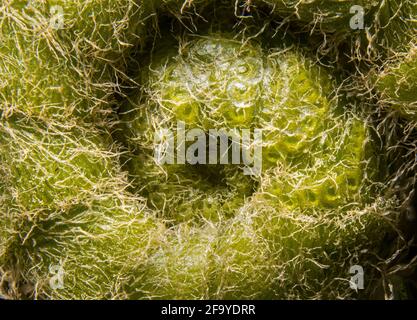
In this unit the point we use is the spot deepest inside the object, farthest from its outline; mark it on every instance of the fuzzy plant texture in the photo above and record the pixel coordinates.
(87, 211)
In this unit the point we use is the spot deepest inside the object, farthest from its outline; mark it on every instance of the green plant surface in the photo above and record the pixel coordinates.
(81, 104)
(64, 204)
(61, 58)
(292, 99)
(397, 84)
(388, 26)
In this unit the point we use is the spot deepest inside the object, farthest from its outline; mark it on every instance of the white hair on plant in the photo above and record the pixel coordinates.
(106, 221)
